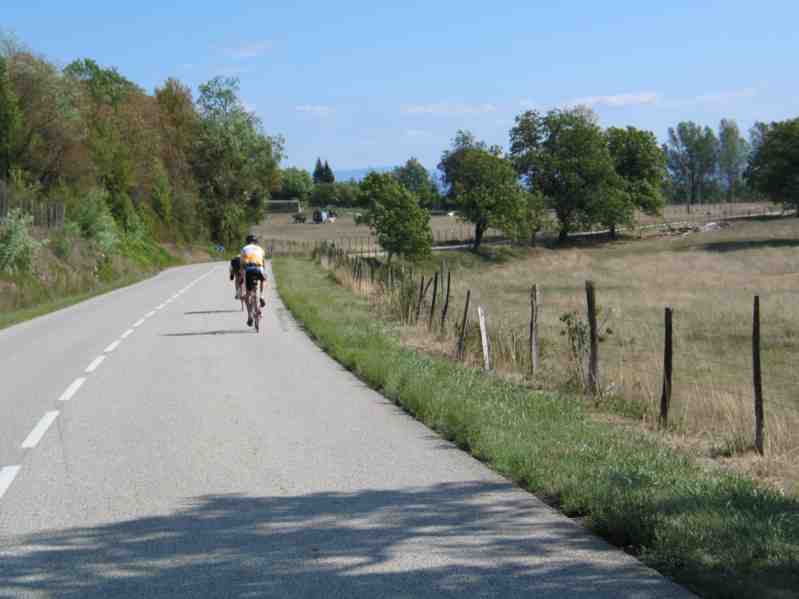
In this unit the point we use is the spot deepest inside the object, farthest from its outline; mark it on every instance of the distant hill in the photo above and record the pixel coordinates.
(360, 173)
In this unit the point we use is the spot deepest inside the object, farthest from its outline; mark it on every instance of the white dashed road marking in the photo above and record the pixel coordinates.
(7, 476)
(32, 440)
(138, 323)
(72, 389)
(112, 347)
(149, 314)
(95, 363)
(126, 334)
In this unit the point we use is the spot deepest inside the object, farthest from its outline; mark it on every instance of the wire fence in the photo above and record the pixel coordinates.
(610, 356)
(46, 214)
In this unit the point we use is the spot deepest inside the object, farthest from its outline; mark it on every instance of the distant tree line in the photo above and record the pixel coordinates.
(563, 163)
(164, 164)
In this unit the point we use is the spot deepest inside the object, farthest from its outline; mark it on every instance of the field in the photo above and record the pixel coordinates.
(709, 279)
(279, 229)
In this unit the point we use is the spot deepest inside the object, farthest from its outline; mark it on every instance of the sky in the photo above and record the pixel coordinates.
(372, 83)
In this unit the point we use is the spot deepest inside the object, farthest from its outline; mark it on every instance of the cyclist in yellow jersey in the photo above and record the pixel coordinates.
(253, 258)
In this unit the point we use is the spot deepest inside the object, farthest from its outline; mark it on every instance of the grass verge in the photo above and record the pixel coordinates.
(16, 316)
(39, 298)
(718, 533)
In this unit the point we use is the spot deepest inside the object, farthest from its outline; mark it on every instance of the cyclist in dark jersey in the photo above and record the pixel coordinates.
(236, 275)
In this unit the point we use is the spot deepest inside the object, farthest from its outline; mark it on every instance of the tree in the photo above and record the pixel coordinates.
(733, 155)
(318, 172)
(52, 139)
(179, 125)
(349, 194)
(327, 174)
(564, 156)
(692, 156)
(641, 163)
(295, 184)
(324, 194)
(489, 193)
(10, 121)
(774, 166)
(451, 160)
(402, 227)
(415, 178)
(235, 164)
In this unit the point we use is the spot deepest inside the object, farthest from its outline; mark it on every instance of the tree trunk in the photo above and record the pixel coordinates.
(479, 229)
(563, 235)
(613, 231)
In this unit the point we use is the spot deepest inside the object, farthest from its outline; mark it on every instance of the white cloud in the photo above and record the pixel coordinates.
(448, 109)
(319, 110)
(528, 104)
(618, 100)
(724, 97)
(249, 50)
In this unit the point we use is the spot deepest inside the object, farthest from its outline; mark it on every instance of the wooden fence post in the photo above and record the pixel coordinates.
(593, 357)
(758, 383)
(665, 398)
(433, 303)
(446, 302)
(484, 338)
(534, 303)
(462, 336)
(421, 297)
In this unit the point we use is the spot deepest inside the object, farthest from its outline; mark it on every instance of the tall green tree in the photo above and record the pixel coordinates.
(327, 174)
(692, 157)
(10, 121)
(401, 226)
(415, 178)
(774, 166)
(235, 164)
(452, 159)
(564, 156)
(318, 172)
(489, 194)
(295, 184)
(641, 163)
(733, 155)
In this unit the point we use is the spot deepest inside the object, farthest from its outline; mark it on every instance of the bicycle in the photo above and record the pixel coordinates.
(254, 308)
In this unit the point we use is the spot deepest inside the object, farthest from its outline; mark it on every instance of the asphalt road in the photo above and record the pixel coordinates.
(198, 459)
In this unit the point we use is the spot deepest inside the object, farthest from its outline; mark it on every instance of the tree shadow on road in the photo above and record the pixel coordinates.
(239, 311)
(203, 333)
(372, 543)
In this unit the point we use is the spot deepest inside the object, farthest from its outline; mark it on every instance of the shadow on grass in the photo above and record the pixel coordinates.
(748, 244)
(447, 540)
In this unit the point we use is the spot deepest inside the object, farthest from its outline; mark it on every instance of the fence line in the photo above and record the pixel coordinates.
(46, 214)
(674, 382)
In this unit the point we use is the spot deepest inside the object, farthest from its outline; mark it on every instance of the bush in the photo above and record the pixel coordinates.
(96, 224)
(17, 247)
(299, 218)
(61, 242)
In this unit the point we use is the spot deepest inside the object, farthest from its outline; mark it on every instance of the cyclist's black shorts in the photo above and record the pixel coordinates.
(253, 274)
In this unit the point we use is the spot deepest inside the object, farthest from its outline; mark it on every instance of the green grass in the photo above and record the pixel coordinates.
(45, 307)
(719, 533)
(138, 262)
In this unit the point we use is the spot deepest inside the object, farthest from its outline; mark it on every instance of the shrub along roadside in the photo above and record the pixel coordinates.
(718, 533)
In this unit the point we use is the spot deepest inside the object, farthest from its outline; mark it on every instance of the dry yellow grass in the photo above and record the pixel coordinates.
(709, 279)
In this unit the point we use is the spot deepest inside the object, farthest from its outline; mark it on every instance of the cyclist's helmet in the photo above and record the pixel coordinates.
(252, 239)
